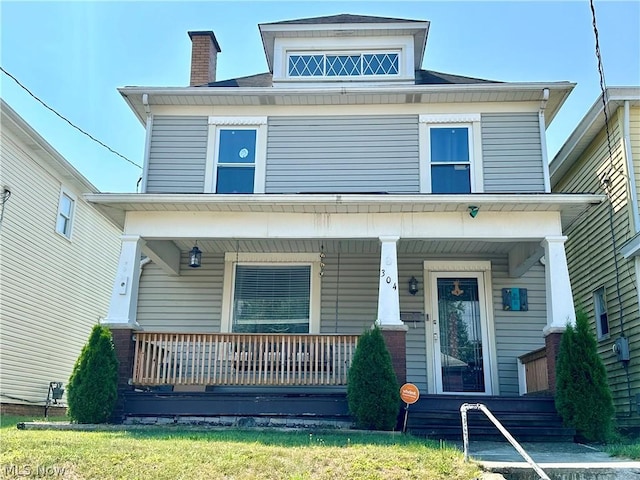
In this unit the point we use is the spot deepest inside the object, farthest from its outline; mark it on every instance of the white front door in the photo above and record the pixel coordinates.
(460, 345)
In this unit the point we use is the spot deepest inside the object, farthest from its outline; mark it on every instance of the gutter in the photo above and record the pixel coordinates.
(543, 140)
(626, 135)
(147, 142)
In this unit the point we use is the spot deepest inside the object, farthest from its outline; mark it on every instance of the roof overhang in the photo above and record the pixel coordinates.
(11, 121)
(349, 95)
(116, 205)
(419, 30)
(588, 128)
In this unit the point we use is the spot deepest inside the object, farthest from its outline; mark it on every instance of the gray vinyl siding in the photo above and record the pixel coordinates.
(512, 153)
(177, 154)
(517, 333)
(190, 303)
(373, 153)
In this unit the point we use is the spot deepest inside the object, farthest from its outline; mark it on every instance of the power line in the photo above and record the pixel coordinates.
(68, 121)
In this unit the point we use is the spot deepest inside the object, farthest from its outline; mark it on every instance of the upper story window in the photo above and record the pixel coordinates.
(600, 308)
(66, 210)
(343, 65)
(450, 154)
(236, 154)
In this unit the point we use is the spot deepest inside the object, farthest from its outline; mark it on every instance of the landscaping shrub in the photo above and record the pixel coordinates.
(93, 386)
(583, 398)
(373, 391)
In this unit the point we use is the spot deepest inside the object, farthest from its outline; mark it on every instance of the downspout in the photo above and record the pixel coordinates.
(543, 141)
(626, 135)
(147, 142)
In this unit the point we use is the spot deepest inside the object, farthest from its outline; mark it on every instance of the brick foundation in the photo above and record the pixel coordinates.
(396, 342)
(552, 345)
(125, 349)
(36, 411)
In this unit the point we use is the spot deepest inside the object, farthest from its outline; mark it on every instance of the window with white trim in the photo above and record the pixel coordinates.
(66, 210)
(236, 155)
(450, 154)
(600, 309)
(343, 64)
(272, 299)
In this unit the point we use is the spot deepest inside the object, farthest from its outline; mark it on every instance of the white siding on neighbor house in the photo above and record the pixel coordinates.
(190, 303)
(53, 290)
(177, 154)
(367, 153)
(512, 153)
(590, 254)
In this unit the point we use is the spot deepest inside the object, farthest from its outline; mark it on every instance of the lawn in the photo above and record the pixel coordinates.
(183, 453)
(629, 450)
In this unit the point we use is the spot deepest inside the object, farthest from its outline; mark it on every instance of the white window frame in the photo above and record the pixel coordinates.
(289, 259)
(471, 121)
(71, 219)
(259, 124)
(600, 308)
(359, 53)
(403, 45)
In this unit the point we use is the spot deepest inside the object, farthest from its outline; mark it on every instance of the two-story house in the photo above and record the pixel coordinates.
(603, 248)
(286, 212)
(58, 259)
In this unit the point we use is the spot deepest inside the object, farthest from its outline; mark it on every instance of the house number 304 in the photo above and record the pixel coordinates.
(388, 279)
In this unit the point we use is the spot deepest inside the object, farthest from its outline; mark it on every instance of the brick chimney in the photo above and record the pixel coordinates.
(204, 53)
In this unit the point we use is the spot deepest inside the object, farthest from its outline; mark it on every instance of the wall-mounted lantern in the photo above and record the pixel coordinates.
(195, 256)
(413, 285)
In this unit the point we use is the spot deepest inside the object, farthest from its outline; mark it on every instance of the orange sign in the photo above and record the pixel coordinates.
(409, 393)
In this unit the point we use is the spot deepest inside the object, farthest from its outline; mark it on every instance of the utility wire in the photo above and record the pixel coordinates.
(608, 187)
(68, 121)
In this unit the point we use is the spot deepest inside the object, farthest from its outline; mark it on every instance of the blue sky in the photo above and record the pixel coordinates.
(74, 55)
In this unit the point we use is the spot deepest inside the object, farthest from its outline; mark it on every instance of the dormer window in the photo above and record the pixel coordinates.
(343, 64)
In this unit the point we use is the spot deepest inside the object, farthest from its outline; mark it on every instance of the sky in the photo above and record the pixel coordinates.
(74, 55)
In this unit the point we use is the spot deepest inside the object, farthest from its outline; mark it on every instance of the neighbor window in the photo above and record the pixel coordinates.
(272, 299)
(66, 208)
(600, 308)
(343, 65)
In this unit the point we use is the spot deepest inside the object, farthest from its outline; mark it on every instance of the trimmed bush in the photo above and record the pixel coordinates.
(583, 398)
(93, 386)
(373, 391)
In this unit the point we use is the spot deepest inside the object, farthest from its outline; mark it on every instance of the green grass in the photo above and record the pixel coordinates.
(628, 450)
(183, 453)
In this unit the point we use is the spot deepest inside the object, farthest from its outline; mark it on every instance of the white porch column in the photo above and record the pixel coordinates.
(124, 297)
(560, 307)
(388, 298)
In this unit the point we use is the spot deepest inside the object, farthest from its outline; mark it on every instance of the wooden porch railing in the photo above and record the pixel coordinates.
(535, 366)
(241, 359)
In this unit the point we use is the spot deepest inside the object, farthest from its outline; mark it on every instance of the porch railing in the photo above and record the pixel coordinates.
(535, 368)
(241, 359)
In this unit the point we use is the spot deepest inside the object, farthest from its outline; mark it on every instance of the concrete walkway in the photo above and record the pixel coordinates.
(558, 460)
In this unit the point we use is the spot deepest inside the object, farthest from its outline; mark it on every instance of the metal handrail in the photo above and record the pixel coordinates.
(465, 435)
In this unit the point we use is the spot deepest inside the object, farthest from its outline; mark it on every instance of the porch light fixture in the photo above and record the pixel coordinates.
(473, 211)
(413, 285)
(54, 394)
(195, 256)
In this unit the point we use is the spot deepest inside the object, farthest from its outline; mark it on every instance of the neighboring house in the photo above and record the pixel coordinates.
(605, 268)
(344, 187)
(59, 257)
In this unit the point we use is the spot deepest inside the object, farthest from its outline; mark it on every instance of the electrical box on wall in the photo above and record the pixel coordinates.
(515, 299)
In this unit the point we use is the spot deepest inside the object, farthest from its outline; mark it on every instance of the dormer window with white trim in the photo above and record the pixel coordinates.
(341, 64)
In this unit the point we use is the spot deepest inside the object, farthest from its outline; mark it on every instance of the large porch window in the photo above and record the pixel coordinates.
(272, 299)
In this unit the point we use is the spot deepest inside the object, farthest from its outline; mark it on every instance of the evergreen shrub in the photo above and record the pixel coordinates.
(93, 386)
(373, 391)
(583, 398)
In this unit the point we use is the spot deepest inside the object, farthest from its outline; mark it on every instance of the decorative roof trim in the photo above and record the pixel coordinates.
(450, 118)
(237, 120)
